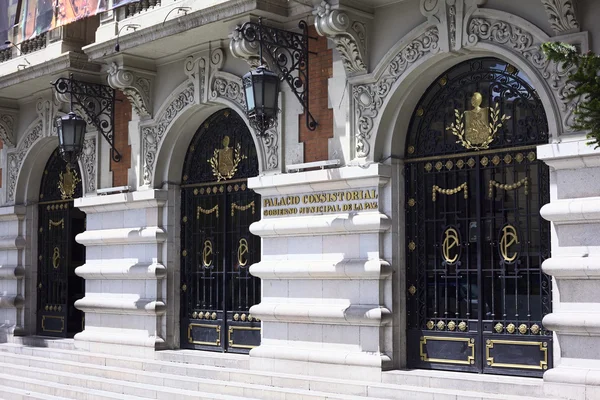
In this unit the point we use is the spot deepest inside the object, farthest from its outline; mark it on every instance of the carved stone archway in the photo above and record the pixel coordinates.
(465, 30)
(206, 90)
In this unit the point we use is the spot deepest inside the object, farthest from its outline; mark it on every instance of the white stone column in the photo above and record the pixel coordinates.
(326, 288)
(575, 266)
(12, 271)
(124, 301)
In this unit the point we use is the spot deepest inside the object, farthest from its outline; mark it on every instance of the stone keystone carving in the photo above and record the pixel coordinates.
(350, 38)
(8, 122)
(562, 15)
(135, 85)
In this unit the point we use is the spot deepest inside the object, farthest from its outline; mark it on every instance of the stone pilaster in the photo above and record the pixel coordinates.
(124, 303)
(12, 271)
(575, 266)
(326, 300)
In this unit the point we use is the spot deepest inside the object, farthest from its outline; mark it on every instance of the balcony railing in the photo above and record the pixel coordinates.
(5, 55)
(35, 44)
(140, 6)
(28, 46)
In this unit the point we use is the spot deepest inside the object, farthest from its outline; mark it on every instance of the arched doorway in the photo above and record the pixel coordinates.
(217, 248)
(58, 253)
(474, 236)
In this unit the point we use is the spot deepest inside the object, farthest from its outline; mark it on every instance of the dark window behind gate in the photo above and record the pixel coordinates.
(59, 254)
(218, 249)
(475, 239)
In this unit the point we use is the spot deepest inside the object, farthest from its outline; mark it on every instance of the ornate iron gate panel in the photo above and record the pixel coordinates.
(475, 237)
(58, 253)
(218, 249)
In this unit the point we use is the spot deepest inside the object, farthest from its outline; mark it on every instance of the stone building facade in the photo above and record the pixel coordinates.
(372, 258)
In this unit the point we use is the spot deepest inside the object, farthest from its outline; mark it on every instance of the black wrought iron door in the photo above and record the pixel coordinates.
(58, 253)
(218, 249)
(475, 238)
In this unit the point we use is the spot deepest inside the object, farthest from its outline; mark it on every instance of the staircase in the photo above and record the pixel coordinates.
(59, 372)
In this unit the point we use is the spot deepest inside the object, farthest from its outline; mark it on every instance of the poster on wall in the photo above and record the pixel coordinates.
(39, 16)
(7, 20)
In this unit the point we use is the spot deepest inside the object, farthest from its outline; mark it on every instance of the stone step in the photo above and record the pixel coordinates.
(53, 390)
(8, 393)
(261, 385)
(187, 363)
(458, 380)
(45, 341)
(151, 385)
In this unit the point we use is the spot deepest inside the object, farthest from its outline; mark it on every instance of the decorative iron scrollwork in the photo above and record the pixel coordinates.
(97, 102)
(289, 53)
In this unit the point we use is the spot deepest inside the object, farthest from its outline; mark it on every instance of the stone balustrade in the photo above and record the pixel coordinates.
(140, 6)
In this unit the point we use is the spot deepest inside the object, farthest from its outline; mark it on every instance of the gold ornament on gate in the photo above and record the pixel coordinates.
(68, 183)
(56, 258)
(451, 240)
(225, 161)
(509, 238)
(473, 128)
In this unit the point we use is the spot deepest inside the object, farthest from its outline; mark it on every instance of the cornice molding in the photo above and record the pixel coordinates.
(348, 34)
(562, 15)
(135, 84)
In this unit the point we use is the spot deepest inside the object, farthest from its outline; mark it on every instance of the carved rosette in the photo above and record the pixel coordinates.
(369, 98)
(135, 85)
(518, 39)
(350, 38)
(8, 121)
(562, 15)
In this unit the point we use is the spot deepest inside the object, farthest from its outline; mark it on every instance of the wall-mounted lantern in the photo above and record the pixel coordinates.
(98, 103)
(289, 55)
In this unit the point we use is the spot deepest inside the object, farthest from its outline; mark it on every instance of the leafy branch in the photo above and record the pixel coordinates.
(585, 78)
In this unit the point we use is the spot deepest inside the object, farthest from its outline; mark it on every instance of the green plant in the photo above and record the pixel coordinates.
(585, 78)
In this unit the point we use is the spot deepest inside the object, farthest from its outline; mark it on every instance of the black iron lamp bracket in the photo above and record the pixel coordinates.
(289, 53)
(97, 102)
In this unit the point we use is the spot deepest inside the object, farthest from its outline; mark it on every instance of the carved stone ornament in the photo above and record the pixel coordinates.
(502, 29)
(562, 15)
(153, 135)
(369, 98)
(135, 85)
(88, 164)
(241, 48)
(8, 121)
(15, 159)
(350, 37)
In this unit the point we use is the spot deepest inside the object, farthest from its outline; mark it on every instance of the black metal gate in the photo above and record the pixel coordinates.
(475, 239)
(58, 252)
(218, 249)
